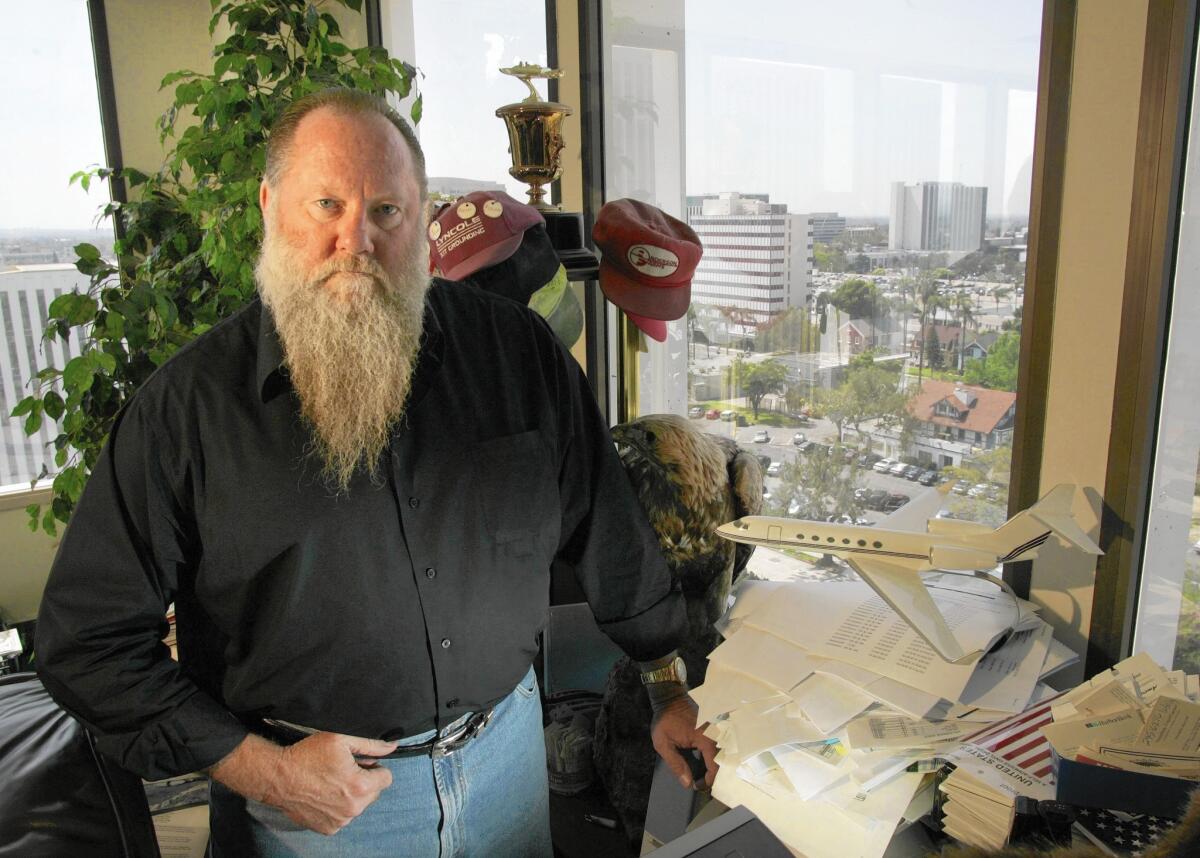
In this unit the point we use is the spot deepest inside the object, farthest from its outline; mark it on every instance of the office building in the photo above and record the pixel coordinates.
(826, 226)
(937, 216)
(25, 296)
(757, 258)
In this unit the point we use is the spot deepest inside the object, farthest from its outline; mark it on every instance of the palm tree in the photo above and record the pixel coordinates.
(998, 293)
(966, 317)
(928, 301)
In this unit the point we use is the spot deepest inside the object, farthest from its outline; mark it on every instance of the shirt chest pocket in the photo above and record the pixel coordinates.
(517, 491)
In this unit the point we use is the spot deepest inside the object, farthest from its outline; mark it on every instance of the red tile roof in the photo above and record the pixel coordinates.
(989, 408)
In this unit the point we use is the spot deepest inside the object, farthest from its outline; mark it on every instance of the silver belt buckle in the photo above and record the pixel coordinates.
(470, 729)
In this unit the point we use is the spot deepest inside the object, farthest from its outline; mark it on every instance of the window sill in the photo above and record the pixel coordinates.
(20, 495)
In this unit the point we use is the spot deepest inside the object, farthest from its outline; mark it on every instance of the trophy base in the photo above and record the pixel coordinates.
(566, 235)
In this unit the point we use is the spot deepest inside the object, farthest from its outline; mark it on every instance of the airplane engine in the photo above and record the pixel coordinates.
(960, 559)
(956, 526)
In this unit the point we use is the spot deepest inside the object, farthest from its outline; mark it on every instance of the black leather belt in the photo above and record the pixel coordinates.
(286, 733)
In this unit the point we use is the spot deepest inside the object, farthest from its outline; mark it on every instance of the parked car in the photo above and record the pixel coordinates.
(883, 465)
(960, 487)
(928, 478)
(912, 472)
(762, 437)
(765, 461)
(798, 439)
(712, 414)
(894, 501)
(898, 469)
(774, 468)
(977, 491)
(805, 446)
(741, 420)
(696, 411)
(868, 459)
(875, 499)
(728, 414)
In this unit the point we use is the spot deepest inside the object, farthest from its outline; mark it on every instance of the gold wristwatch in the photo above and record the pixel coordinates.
(672, 671)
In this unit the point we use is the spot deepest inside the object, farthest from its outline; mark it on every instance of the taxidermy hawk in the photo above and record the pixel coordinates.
(688, 483)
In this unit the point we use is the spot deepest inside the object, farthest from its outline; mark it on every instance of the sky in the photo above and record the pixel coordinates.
(50, 116)
(820, 104)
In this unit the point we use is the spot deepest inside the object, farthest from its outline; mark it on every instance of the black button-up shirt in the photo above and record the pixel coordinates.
(382, 612)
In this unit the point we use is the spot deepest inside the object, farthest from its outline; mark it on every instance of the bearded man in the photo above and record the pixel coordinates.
(353, 491)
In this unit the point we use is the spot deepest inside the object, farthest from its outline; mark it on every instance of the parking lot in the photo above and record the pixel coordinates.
(780, 449)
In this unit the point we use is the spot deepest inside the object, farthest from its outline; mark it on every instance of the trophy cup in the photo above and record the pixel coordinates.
(534, 135)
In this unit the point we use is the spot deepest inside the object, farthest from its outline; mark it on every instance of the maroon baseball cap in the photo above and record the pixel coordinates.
(648, 261)
(477, 231)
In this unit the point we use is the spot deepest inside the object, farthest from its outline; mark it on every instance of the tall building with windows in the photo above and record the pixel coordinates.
(757, 258)
(26, 292)
(826, 226)
(937, 216)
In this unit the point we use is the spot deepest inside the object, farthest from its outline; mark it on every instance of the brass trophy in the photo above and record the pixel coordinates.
(534, 135)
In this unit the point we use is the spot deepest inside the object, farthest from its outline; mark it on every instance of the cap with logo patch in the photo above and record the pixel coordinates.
(476, 231)
(648, 259)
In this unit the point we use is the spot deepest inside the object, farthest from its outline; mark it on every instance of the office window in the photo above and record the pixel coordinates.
(52, 120)
(459, 46)
(1168, 612)
(860, 178)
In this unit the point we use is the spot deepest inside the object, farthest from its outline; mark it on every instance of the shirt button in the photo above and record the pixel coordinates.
(452, 702)
(414, 502)
(445, 643)
(430, 573)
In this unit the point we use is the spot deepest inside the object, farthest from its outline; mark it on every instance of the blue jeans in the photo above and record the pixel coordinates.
(489, 799)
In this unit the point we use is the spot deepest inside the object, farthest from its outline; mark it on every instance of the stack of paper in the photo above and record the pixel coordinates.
(1136, 716)
(830, 711)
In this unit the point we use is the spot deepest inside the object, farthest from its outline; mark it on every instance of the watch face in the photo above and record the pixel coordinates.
(680, 669)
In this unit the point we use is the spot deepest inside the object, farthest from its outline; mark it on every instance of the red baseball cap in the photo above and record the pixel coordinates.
(477, 231)
(648, 261)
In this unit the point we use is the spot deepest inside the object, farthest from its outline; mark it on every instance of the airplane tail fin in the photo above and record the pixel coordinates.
(1053, 511)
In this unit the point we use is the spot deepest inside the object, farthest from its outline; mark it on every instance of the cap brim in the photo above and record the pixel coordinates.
(485, 258)
(655, 329)
(665, 303)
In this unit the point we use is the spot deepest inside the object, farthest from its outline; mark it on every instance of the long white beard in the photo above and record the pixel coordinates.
(351, 356)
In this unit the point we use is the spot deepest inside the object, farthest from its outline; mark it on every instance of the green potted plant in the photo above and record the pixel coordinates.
(182, 238)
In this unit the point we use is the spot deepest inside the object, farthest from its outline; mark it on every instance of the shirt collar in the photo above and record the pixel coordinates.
(271, 371)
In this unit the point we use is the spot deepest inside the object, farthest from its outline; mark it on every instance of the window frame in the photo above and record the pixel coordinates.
(1168, 65)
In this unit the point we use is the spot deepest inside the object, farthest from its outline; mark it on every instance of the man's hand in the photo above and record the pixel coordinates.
(317, 782)
(674, 732)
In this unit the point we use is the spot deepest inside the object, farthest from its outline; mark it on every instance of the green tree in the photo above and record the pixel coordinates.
(933, 349)
(999, 369)
(818, 485)
(184, 257)
(756, 380)
(927, 300)
(857, 298)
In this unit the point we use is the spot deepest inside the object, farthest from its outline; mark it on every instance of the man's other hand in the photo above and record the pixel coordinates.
(317, 782)
(674, 733)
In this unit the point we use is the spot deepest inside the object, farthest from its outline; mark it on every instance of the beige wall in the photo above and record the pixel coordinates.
(1097, 195)
(25, 560)
(149, 40)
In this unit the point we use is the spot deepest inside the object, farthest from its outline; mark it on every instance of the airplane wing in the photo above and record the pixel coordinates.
(901, 587)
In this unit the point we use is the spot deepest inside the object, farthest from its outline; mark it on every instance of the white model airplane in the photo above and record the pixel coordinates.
(891, 560)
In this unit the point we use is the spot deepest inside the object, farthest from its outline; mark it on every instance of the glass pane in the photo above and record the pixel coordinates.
(1168, 615)
(859, 177)
(50, 101)
(460, 45)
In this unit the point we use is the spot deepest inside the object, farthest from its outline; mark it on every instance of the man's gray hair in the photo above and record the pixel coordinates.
(351, 101)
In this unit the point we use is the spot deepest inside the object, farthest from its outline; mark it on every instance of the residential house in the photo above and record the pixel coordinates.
(957, 418)
(978, 346)
(949, 338)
